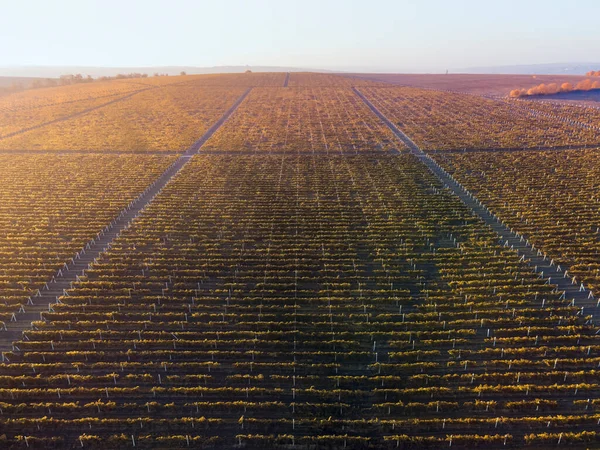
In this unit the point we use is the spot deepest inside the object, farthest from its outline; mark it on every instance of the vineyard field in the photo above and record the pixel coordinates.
(168, 119)
(322, 299)
(583, 114)
(52, 205)
(246, 80)
(550, 197)
(311, 119)
(36, 107)
(296, 261)
(308, 79)
(439, 120)
(479, 84)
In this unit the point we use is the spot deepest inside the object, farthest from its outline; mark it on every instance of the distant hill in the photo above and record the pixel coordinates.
(57, 71)
(25, 82)
(534, 69)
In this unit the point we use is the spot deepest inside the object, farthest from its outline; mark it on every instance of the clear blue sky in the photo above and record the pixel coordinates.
(383, 35)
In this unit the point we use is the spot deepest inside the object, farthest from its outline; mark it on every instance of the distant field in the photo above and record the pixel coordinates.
(166, 113)
(499, 85)
(306, 119)
(438, 120)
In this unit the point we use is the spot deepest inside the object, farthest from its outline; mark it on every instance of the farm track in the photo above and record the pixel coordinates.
(508, 150)
(287, 80)
(539, 261)
(68, 274)
(289, 152)
(92, 152)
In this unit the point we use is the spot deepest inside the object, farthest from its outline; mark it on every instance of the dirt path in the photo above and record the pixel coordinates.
(94, 152)
(509, 150)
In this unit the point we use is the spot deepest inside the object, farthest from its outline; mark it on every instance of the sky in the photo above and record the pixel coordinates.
(356, 35)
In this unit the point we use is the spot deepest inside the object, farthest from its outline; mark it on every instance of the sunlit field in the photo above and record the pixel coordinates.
(297, 260)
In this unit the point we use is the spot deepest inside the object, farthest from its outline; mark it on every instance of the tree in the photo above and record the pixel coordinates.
(15, 87)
